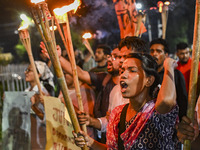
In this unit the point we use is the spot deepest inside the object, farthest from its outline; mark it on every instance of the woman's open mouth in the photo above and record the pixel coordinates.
(123, 85)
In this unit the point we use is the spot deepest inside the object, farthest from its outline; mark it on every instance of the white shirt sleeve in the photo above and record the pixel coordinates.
(103, 122)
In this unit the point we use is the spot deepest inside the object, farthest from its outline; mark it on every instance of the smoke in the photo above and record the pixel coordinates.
(100, 20)
(100, 34)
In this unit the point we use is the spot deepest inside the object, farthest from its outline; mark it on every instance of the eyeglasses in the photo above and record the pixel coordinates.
(113, 57)
(27, 70)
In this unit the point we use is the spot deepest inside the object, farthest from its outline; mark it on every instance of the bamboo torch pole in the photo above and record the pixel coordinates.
(62, 14)
(25, 39)
(70, 51)
(87, 44)
(194, 71)
(139, 22)
(144, 17)
(56, 64)
(164, 15)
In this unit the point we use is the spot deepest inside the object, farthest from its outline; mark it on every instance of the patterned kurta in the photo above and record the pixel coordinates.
(146, 130)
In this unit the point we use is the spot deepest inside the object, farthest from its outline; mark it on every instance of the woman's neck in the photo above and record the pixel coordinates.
(32, 84)
(102, 63)
(136, 103)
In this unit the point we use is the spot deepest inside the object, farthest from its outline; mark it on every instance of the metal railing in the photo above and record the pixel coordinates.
(12, 78)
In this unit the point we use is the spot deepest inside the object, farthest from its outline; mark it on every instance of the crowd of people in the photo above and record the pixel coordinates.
(134, 98)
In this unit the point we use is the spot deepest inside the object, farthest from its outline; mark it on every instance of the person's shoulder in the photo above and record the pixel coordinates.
(177, 72)
(98, 73)
(92, 69)
(99, 69)
(118, 109)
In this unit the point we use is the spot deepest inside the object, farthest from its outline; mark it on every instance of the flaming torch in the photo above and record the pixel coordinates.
(139, 21)
(87, 44)
(163, 9)
(194, 71)
(61, 16)
(25, 39)
(40, 15)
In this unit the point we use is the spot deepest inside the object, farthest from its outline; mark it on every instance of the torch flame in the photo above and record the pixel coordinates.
(37, 1)
(167, 3)
(87, 35)
(160, 6)
(25, 26)
(74, 6)
(53, 28)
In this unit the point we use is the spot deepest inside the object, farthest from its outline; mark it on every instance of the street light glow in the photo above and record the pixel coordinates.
(138, 5)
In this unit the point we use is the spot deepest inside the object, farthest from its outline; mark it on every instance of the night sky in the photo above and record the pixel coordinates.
(10, 11)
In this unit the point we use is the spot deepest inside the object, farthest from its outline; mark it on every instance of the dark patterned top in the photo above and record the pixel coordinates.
(158, 133)
(147, 130)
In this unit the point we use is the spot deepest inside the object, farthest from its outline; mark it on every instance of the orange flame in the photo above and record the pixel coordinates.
(73, 6)
(87, 35)
(37, 1)
(160, 6)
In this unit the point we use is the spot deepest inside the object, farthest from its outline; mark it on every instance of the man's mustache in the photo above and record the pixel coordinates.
(156, 59)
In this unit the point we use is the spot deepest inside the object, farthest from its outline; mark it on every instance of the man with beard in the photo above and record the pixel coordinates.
(184, 63)
(103, 82)
(131, 44)
(159, 50)
(101, 58)
(126, 46)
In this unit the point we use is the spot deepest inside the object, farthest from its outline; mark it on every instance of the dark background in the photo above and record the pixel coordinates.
(97, 15)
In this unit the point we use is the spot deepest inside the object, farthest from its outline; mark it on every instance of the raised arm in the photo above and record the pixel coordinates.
(66, 65)
(87, 57)
(82, 74)
(166, 99)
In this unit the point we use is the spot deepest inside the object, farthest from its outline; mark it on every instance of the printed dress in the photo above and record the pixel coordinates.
(146, 130)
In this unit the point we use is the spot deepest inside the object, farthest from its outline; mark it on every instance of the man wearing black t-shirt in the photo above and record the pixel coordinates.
(159, 50)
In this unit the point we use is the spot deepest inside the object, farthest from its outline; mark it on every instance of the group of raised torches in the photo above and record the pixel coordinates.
(135, 98)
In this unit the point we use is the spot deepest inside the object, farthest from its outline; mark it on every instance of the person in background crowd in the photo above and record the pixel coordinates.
(89, 61)
(126, 46)
(100, 123)
(87, 95)
(184, 63)
(79, 57)
(38, 126)
(49, 64)
(43, 58)
(160, 51)
(103, 82)
(101, 58)
(144, 123)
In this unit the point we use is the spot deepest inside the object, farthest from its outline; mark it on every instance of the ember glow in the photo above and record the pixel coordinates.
(87, 35)
(74, 6)
(37, 1)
